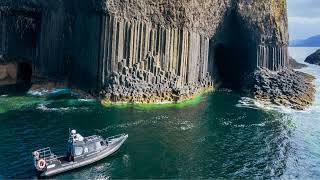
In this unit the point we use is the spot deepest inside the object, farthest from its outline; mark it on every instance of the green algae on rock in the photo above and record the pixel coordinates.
(195, 100)
(156, 102)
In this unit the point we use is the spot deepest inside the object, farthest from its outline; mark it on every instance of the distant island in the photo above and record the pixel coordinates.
(313, 41)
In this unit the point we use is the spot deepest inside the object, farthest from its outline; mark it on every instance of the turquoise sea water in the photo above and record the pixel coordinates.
(220, 135)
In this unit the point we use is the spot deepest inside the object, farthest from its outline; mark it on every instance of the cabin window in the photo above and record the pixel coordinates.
(78, 150)
(91, 147)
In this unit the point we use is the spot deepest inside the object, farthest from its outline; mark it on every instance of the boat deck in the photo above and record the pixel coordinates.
(63, 160)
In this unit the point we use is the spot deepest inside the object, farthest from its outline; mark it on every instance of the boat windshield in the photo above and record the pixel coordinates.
(78, 150)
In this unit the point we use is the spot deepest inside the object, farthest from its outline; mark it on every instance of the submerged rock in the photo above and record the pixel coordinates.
(314, 58)
(286, 87)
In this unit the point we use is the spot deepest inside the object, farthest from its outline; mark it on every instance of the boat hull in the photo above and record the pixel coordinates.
(97, 156)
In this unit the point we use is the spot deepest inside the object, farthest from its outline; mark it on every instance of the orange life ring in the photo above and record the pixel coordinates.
(41, 164)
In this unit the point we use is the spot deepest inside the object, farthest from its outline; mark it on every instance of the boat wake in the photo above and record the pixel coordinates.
(232, 124)
(186, 125)
(177, 124)
(127, 125)
(44, 107)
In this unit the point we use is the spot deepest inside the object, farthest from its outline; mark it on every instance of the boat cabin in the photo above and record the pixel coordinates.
(79, 146)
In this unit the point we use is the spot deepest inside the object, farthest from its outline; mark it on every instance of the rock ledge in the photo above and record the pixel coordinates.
(286, 87)
(314, 58)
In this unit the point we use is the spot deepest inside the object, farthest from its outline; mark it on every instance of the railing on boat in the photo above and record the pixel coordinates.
(89, 138)
(92, 138)
(115, 137)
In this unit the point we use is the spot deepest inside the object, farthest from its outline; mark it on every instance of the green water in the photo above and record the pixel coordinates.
(203, 139)
(219, 135)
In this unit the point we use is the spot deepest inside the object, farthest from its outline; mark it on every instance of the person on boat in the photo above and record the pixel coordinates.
(74, 137)
(70, 156)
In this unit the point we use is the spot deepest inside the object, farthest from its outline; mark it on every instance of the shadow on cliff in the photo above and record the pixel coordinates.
(232, 52)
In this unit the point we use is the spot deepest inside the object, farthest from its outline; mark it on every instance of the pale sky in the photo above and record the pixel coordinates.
(304, 18)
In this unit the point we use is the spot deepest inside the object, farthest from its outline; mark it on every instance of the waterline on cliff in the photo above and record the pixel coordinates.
(194, 100)
(43, 107)
(39, 101)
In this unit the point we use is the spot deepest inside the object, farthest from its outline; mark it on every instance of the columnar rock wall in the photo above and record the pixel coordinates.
(18, 35)
(140, 59)
(174, 50)
(51, 42)
(123, 49)
(3, 35)
(272, 57)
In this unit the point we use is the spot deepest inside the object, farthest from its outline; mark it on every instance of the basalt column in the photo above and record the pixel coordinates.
(49, 62)
(86, 52)
(18, 35)
(145, 63)
(3, 36)
(18, 46)
(272, 57)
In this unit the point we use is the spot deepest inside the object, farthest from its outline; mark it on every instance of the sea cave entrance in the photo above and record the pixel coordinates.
(15, 77)
(24, 74)
(232, 52)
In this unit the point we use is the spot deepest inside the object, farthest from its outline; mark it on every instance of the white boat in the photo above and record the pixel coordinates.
(82, 151)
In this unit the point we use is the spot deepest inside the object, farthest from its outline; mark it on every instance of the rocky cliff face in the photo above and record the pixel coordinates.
(314, 58)
(287, 87)
(144, 50)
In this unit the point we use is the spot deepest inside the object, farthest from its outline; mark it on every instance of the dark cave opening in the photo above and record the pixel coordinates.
(18, 80)
(233, 53)
(232, 65)
(24, 73)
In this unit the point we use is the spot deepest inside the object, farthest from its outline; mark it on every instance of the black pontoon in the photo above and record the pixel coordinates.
(81, 151)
